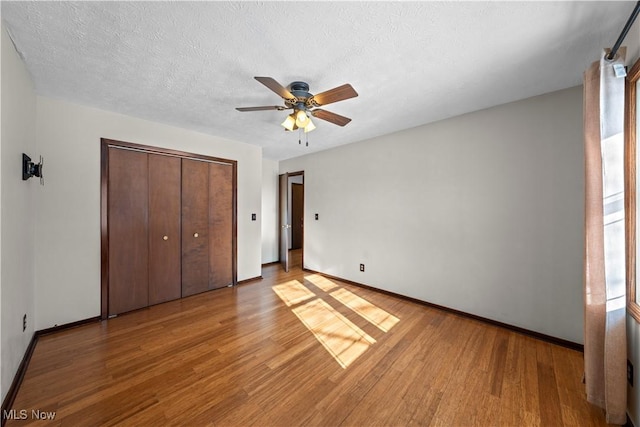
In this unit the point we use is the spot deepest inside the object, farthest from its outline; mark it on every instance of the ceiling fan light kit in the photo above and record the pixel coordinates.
(289, 123)
(302, 120)
(309, 127)
(304, 104)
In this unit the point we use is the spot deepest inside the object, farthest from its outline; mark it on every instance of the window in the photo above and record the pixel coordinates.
(632, 187)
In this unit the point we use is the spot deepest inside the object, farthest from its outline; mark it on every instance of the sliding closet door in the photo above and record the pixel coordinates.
(220, 225)
(164, 228)
(128, 242)
(195, 227)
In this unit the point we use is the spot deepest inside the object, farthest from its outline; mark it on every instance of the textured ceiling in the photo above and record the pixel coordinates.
(191, 63)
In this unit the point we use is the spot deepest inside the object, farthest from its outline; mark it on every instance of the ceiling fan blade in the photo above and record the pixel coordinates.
(276, 87)
(336, 94)
(334, 118)
(274, 107)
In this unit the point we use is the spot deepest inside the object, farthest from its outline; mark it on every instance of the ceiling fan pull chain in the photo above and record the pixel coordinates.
(307, 137)
(300, 136)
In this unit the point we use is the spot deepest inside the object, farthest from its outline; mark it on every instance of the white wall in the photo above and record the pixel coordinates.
(269, 211)
(68, 211)
(482, 213)
(16, 213)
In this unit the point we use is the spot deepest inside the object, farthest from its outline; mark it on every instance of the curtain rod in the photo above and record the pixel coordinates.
(624, 32)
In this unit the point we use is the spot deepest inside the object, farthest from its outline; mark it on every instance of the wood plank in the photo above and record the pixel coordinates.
(498, 361)
(550, 409)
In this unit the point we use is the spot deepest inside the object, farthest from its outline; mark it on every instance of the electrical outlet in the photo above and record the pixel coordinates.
(24, 322)
(253, 217)
(316, 217)
(361, 267)
(630, 372)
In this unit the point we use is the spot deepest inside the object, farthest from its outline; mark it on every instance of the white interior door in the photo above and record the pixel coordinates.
(284, 224)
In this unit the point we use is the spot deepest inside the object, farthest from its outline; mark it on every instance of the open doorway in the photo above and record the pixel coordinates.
(291, 219)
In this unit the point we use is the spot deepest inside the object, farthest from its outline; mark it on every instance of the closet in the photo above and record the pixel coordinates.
(168, 223)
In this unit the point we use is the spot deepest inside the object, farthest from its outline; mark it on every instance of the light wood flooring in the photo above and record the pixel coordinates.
(299, 349)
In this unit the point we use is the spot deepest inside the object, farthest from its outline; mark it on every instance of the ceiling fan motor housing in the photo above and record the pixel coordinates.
(301, 91)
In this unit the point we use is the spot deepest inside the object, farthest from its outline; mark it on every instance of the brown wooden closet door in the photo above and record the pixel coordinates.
(128, 243)
(195, 227)
(220, 225)
(164, 228)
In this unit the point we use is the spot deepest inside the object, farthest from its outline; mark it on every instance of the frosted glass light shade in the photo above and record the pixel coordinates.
(309, 127)
(289, 122)
(301, 119)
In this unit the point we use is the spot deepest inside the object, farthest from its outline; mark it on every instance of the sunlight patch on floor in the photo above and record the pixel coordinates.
(340, 337)
(374, 314)
(321, 282)
(293, 292)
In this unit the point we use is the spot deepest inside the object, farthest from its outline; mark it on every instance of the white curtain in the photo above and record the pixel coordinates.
(605, 316)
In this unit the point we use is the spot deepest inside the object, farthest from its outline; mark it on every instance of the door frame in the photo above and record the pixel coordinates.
(280, 225)
(105, 144)
(283, 223)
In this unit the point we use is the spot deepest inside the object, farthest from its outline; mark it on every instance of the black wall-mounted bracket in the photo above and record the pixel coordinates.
(30, 168)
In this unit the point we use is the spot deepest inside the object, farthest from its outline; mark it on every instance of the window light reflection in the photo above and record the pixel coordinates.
(343, 339)
(374, 314)
(340, 337)
(293, 292)
(321, 282)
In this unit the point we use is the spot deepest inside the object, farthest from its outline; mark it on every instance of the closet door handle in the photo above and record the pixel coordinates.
(165, 238)
(195, 234)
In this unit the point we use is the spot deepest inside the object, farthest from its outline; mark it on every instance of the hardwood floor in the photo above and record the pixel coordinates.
(299, 349)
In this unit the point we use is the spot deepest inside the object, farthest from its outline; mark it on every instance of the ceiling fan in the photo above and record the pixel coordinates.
(303, 103)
